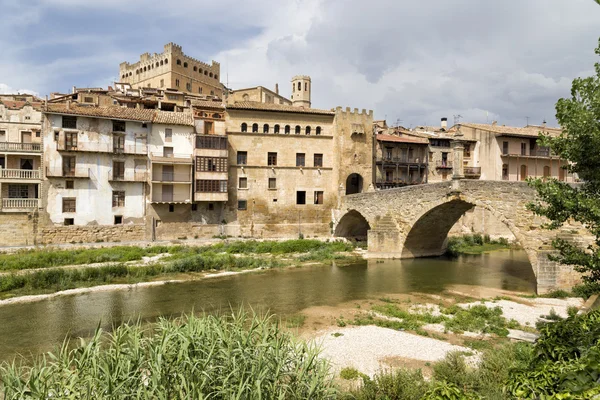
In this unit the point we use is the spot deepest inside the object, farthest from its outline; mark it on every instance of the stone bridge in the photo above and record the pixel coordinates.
(414, 221)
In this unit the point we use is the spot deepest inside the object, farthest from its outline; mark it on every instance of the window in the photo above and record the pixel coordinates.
(211, 206)
(306, 86)
(88, 99)
(211, 164)
(242, 157)
(118, 126)
(523, 149)
(272, 159)
(195, 69)
(254, 128)
(118, 170)
(318, 160)
(318, 130)
(299, 86)
(188, 87)
(504, 148)
(546, 171)
(266, 128)
(318, 197)
(118, 219)
(301, 197)
(211, 142)
(194, 207)
(276, 129)
(69, 122)
(287, 129)
(242, 204)
(243, 183)
(69, 184)
(178, 62)
(184, 65)
(69, 204)
(171, 207)
(208, 128)
(118, 198)
(244, 127)
(523, 172)
(56, 136)
(37, 134)
(200, 90)
(162, 83)
(300, 159)
(307, 130)
(272, 183)
(298, 129)
(168, 135)
(69, 221)
(467, 151)
(168, 152)
(211, 186)
(18, 191)
(177, 82)
(388, 153)
(69, 166)
(70, 140)
(504, 172)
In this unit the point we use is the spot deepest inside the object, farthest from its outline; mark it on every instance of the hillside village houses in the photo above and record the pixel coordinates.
(169, 153)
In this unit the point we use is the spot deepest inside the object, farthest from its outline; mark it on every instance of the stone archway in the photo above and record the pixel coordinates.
(354, 184)
(352, 226)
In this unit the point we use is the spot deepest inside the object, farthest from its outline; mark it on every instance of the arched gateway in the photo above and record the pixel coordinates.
(414, 222)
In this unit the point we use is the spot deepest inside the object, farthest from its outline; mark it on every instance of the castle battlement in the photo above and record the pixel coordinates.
(349, 113)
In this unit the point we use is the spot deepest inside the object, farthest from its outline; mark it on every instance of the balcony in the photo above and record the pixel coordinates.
(443, 164)
(542, 152)
(161, 158)
(77, 173)
(183, 177)
(20, 204)
(472, 172)
(127, 176)
(400, 160)
(20, 174)
(21, 147)
(135, 149)
(170, 198)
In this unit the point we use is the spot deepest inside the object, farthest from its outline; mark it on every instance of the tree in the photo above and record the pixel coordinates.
(579, 143)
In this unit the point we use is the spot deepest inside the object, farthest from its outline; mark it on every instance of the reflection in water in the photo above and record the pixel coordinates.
(36, 327)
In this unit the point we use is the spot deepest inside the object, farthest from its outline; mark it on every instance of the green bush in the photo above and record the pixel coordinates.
(478, 318)
(402, 384)
(242, 356)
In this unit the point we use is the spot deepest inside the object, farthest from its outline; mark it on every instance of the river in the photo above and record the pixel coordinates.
(32, 328)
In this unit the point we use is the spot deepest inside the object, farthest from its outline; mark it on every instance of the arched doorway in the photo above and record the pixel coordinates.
(352, 226)
(354, 184)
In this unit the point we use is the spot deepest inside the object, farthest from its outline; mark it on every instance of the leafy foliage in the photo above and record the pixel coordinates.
(579, 142)
(238, 357)
(566, 361)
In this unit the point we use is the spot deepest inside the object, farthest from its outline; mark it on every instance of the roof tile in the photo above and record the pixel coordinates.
(254, 105)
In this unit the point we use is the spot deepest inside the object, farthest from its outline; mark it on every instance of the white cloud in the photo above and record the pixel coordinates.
(5, 89)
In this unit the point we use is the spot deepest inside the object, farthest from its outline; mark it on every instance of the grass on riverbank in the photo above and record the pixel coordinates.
(54, 280)
(47, 258)
(181, 259)
(475, 244)
(240, 356)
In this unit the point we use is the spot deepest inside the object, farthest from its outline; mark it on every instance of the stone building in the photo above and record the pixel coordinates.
(400, 159)
(20, 167)
(97, 161)
(173, 69)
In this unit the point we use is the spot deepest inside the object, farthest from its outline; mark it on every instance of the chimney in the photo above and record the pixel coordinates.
(277, 88)
(74, 89)
(444, 123)
(494, 123)
(544, 123)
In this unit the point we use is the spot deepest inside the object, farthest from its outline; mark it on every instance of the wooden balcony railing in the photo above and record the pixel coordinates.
(442, 164)
(104, 148)
(7, 173)
(20, 203)
(401, 160)
(172, 177)
(59, 172)
(472, 171)
(15, 146)
(171, 158)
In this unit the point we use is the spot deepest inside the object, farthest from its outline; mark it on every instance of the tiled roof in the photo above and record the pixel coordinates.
(133, 114)
(208, 104)
(528, 131)
(382, 137)
(124, 113)
(254, 105)
(173, 118)
(17, 105)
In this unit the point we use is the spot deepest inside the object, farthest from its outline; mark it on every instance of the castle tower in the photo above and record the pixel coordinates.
(301, 91)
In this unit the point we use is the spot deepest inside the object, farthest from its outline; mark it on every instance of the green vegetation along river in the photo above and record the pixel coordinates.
(27, 328)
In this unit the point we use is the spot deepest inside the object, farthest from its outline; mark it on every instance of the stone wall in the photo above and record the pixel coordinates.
(17, 229)
(482, 221)
(91, 234)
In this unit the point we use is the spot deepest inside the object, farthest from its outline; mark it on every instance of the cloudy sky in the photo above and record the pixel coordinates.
(413, 61)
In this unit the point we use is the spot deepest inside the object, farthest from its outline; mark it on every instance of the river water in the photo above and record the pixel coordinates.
(32, 328)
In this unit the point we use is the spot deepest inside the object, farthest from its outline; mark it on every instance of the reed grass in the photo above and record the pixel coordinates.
(241, 356)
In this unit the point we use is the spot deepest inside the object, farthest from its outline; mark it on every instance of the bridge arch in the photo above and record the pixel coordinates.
(353, 225)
